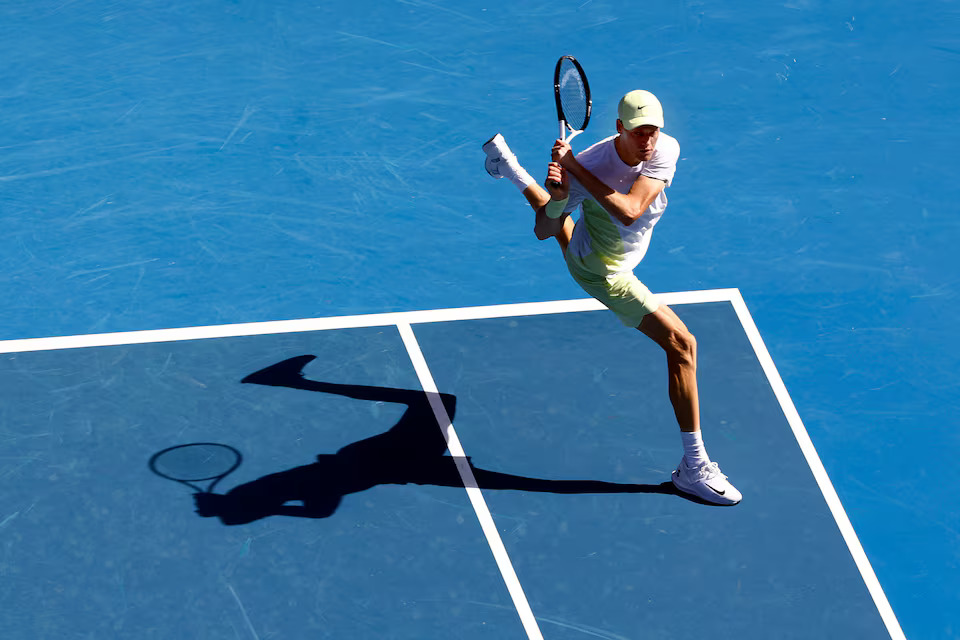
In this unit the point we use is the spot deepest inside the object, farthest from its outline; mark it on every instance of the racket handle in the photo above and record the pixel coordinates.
(563, 133)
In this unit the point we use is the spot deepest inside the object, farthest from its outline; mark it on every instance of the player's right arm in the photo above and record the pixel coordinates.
(625, 207)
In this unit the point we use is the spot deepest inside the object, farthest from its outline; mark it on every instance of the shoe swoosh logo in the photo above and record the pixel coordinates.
(716, 491)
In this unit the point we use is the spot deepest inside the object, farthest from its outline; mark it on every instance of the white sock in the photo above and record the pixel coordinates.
(517, 174)
(694, 452)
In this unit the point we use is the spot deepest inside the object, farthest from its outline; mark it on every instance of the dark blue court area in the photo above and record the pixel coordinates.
(201, 199)
(345, 517)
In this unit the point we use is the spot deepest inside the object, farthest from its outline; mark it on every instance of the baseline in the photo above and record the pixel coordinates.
(339, 322)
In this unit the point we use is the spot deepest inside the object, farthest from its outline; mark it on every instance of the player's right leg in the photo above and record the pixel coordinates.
(636, 306)
(696, 474)
(667, 330)
(501, 162)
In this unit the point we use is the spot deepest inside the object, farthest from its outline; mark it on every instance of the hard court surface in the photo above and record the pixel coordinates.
(193, 193)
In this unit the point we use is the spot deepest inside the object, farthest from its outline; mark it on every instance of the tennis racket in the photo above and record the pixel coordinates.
(572, 94)
(196, 462)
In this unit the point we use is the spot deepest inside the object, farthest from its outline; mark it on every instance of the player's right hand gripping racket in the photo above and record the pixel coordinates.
(573, 97)
(572, 93)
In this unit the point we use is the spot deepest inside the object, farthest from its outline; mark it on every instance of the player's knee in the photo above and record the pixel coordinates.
(683, 347)
(546, 227)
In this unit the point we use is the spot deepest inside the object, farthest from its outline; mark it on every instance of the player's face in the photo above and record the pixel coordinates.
(637, 145)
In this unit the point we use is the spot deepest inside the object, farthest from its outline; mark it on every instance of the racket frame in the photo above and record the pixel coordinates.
(215, 478)
(561, 117)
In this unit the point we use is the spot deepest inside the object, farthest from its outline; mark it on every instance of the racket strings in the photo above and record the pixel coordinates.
(573, 96)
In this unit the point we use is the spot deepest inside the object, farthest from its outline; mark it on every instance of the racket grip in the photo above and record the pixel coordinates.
(563, 133)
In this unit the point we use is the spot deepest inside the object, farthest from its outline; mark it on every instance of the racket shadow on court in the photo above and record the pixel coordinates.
(411, 452)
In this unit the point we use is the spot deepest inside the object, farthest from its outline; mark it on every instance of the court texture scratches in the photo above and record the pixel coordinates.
(202, 201)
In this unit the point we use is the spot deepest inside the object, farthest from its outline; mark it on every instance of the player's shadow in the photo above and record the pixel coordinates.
(411, 452)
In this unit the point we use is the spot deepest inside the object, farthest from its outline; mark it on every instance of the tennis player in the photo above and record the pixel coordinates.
(619, 186)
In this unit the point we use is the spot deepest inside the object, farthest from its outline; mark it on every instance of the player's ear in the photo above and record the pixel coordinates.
(619, 126)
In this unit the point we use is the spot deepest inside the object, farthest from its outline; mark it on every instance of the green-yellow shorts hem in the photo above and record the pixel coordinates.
(622, 293)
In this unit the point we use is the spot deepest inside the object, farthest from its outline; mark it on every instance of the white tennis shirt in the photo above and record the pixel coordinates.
(603, 243)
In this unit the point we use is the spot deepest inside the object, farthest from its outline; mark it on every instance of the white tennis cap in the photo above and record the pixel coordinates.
(638, 108)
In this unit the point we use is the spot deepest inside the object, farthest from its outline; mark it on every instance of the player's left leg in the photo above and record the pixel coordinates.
(546, 227)
(501, 162)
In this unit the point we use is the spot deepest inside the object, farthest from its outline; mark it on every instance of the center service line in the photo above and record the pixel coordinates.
(470, 483)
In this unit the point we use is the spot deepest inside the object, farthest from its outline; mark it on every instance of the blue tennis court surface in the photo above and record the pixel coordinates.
(242, 166)
(346, 519)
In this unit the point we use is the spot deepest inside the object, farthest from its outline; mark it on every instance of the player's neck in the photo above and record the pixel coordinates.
(617, 144)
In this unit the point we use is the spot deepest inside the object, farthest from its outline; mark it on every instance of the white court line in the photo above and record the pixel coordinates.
(399, 319)
(487, 524)
(338, 322)
(819, 471)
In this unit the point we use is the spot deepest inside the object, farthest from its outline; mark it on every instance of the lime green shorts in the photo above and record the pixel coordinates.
(622, 293)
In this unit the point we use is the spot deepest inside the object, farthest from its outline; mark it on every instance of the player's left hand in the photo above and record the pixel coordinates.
(557, 182)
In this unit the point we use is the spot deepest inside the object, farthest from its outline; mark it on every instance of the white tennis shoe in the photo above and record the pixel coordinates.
(499, 157)
(706, 482)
